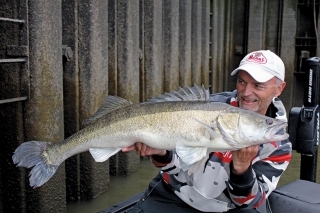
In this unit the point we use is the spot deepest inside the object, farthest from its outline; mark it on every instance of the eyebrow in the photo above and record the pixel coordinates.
(255, 82)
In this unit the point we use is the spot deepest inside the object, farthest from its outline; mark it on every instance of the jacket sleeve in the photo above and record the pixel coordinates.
(161, 161)
(255, 185)
(169, 163)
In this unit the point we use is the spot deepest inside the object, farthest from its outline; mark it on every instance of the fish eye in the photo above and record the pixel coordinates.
(269, 121)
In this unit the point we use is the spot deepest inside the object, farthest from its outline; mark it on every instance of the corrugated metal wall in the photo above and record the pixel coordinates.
(59, 59)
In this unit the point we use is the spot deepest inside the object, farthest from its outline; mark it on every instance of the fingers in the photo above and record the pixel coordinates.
(140, 148)
(242, 158)
(250, 151)
(143, 150)
(128, 149)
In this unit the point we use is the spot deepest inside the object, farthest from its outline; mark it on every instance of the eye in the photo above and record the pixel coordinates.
(269, 121)
(260, 86)
(241, 82)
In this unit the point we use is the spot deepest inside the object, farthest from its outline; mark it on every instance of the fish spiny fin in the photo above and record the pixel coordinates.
(103, 154)
(201, 92)
(185, 95)
(195, 93)
(190, 156)
(110, 104)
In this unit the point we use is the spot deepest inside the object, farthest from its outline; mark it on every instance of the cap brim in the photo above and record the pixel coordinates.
(256, 72)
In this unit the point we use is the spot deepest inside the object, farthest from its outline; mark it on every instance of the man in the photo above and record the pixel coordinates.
(237, 181)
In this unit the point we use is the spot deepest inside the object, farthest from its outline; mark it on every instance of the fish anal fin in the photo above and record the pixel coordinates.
(103, 154)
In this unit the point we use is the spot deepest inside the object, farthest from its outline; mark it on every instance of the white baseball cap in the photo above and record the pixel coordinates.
(262, 65)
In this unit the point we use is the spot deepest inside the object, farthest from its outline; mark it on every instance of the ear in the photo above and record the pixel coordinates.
(280, 88)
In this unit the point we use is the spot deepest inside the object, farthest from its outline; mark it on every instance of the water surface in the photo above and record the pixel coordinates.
(121, 187)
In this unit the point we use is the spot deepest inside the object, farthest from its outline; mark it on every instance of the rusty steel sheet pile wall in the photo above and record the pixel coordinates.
(43, 111)
(13, 87)
(93, 81)
(124, 67)
(76, 52)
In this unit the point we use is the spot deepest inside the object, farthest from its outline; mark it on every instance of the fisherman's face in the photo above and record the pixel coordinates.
(257, 96)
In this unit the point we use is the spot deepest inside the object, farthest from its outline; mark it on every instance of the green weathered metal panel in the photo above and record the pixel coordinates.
(217, 45)
(196, 35)
(70, 33)
(127, 69)
(287, 50)
(171, 45)
(205, 42)
(93, 85)
(185, 42)
(43, 112)
(153, 51)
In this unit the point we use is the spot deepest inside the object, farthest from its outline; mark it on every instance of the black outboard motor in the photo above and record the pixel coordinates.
(303, 195)
(304, 121)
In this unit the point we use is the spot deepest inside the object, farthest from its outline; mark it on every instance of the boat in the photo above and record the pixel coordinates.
(302, 195)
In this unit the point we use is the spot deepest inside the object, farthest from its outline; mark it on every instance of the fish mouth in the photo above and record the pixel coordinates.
(278, 133)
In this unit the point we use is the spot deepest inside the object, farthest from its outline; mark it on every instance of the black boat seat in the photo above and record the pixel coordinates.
(299, 196)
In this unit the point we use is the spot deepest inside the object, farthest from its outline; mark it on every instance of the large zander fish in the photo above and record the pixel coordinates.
(185, 121)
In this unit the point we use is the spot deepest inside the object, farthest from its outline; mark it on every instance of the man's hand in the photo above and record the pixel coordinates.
(242, 158)
(144, 150)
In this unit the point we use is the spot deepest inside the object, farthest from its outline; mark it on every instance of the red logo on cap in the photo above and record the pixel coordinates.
(257, 57)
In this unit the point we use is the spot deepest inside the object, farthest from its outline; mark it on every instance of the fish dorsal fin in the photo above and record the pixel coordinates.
(110, 104)
(195, 93)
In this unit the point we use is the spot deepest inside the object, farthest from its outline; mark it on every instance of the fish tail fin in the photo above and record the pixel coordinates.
(30, 154)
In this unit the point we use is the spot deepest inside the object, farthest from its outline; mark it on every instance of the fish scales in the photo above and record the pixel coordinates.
(158, 119)
(185, 122)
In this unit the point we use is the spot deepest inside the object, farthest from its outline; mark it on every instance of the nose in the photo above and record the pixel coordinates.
(247, 90)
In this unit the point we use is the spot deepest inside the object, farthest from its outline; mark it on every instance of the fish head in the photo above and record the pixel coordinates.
(242, 128)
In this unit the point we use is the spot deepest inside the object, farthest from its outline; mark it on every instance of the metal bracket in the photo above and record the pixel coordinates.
(67, 52)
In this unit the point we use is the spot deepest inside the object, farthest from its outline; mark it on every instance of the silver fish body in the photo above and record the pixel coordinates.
(192, 128)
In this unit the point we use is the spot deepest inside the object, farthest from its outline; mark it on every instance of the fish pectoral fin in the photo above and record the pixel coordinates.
(195, 166)
(103, 154)
(212, 134)
(190, 155)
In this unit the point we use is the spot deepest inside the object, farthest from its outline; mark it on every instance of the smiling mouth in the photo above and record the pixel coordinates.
(248, 100)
